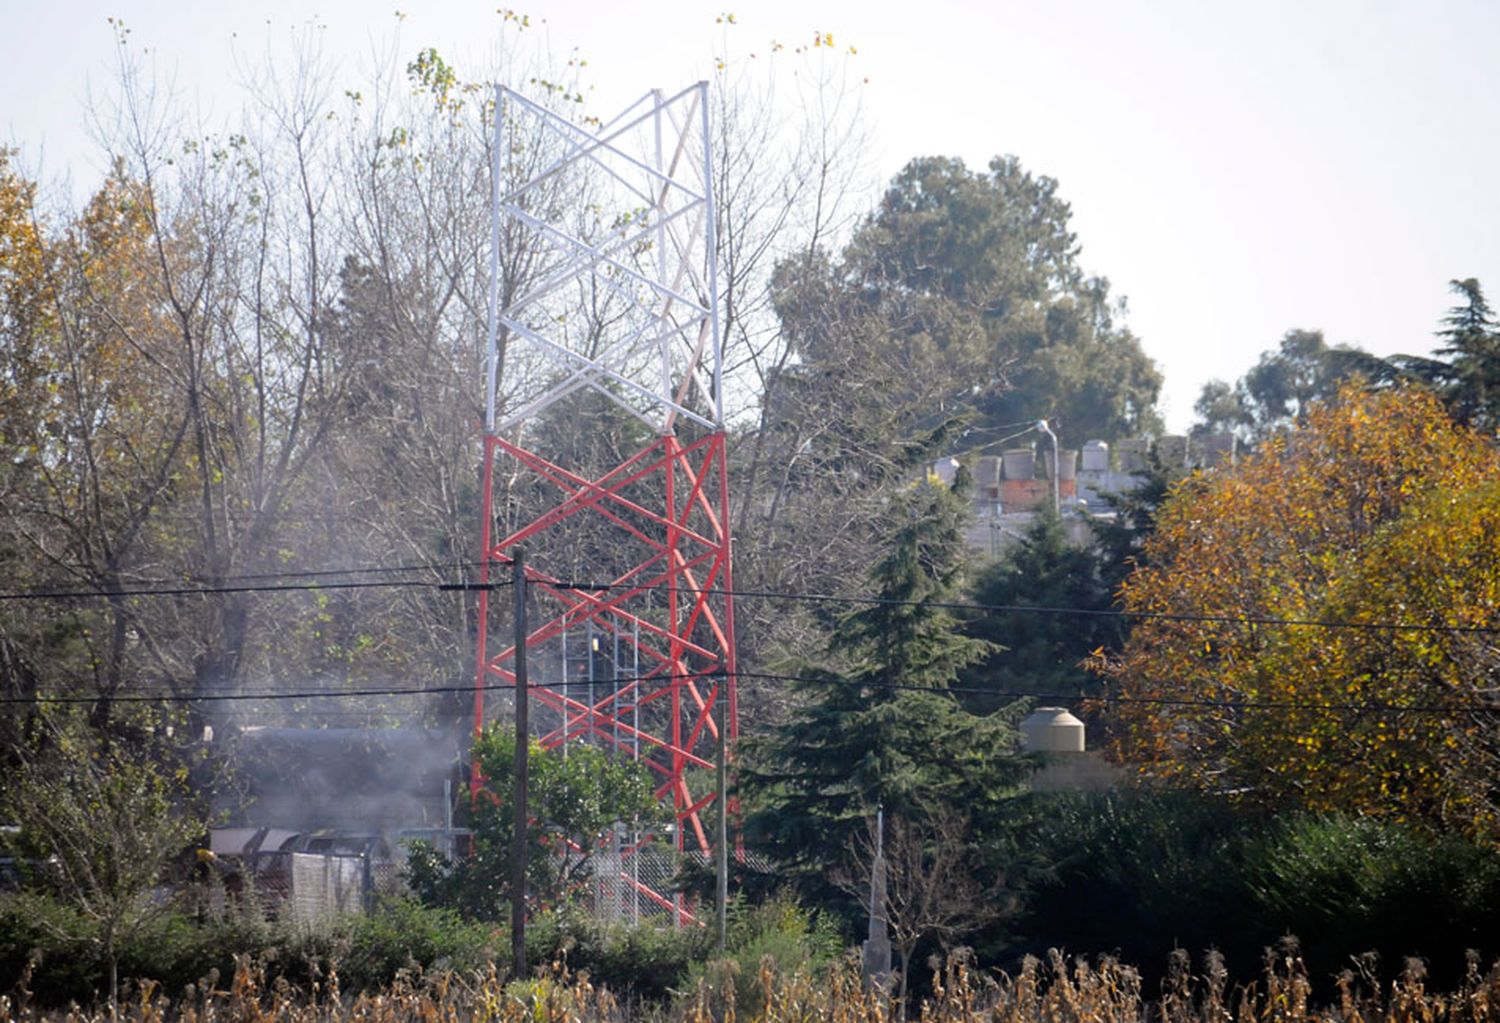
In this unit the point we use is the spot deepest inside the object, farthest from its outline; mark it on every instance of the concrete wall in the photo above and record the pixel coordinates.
(1076, 772)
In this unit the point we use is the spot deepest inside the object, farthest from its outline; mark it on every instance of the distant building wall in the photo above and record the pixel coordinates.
(1009, 490)
(1076, 772)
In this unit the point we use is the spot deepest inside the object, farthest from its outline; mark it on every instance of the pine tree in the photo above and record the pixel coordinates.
(1464, 370)
(883, 730)
(1471, 382)
(1041, 651)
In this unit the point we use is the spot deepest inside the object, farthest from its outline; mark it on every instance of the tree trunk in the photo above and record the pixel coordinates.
(906, 951)
(114, 984)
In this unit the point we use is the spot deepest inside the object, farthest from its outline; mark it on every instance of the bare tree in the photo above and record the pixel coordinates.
(270, 341)
(933, 884)
(791, 177)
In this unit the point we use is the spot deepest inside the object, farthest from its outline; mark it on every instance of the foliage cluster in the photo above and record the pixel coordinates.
(1463, 372)
(100, 817)
(44, 939)
(1377, 512)
(776, 937)
(969, 286)
(1464, 369)
(1282, 385)
(877, 727)
(1040, 651)
(1138, 873)
(40, 938)
(574, 799)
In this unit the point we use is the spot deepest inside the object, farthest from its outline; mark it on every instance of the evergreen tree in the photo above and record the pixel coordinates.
(1122, 538)
(883, 730)
(1303, 368)
(1470, 385)
(1040, 652)
(1464, 370)
(963, 290)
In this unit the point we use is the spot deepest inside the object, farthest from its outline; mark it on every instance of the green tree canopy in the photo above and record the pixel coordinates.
(573, 800)
(1041, 652)
(1303, 368)
(1469, 377)
(881, 729)
(101, 821)
(974, 281)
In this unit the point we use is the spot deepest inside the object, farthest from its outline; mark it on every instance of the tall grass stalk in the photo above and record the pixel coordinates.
(1057, 990)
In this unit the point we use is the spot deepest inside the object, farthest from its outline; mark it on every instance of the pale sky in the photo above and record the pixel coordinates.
(1235, 170)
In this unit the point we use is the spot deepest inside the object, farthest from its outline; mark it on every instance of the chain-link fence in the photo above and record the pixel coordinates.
(636, 887)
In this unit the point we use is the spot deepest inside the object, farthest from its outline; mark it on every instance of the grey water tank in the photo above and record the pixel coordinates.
(1132, 452)
(1172, 449)
(1020, 463)
(987, 471)
(1095, 457)
(1052, 730)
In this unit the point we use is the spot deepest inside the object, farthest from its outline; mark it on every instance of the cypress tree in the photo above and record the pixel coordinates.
(878, 726)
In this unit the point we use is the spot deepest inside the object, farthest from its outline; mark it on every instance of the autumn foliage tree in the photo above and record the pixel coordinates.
(1326, 620)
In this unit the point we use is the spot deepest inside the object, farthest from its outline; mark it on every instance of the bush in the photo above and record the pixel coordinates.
(1347, 884)
(39, 928)
(403, 934)
(1136, 874)
(641, 963)
(1133, 874)
(176, 950)
(778, 936)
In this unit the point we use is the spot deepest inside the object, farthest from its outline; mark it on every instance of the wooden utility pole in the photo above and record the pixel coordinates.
(523, 744)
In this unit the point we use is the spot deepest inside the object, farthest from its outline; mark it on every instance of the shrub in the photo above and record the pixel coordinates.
(176, 950)
(777, 939)
(1129, 873)
(1138, 873)
(1348, 884)
(40, 929)
(403, 934)
(637, 963)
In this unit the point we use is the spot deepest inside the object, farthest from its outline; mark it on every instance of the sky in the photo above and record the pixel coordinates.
(1236, 170)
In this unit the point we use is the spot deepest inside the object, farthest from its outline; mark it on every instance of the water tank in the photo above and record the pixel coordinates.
(1172, 449)
(1132, 452)
(1052, 730)
(1020, 463)
(987, 472)
(1218, 449)
(1068, 460)
(1095, 456)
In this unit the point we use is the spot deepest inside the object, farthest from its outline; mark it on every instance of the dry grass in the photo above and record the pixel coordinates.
(1057, 991)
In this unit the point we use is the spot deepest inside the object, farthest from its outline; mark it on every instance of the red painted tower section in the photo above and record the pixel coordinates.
(660, 622)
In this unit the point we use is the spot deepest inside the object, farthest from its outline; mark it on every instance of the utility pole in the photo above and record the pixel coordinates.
(721, 841)
(518, 836)
(877, 947)
(1056, 471)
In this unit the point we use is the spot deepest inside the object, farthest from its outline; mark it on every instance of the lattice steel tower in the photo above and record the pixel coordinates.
(604, 293)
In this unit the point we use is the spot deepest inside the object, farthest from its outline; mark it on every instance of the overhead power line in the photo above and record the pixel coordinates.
(248, 584)
(183, 591)
(1374, 707)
